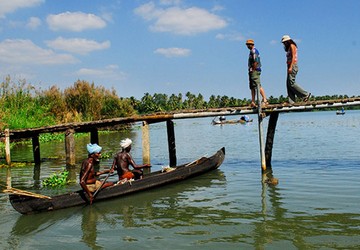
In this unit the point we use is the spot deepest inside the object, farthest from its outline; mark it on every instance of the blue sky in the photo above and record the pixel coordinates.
(176, 46)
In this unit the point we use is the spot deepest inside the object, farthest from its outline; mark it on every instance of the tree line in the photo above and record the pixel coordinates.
(24, 106)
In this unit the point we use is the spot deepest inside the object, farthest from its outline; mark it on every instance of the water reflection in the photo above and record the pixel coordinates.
(264, 233)
(179, 211)
(127, 212)
(304, 231)
(88, 226)
(36, 177)
(314, 206)
(73, 172)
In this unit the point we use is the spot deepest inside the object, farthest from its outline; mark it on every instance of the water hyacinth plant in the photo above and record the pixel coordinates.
(58, 179)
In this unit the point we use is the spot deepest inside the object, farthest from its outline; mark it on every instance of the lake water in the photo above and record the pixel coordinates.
(314, 206)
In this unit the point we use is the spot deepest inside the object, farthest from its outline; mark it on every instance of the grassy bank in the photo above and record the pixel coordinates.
(24, 106)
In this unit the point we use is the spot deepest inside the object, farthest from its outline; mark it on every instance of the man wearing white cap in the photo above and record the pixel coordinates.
(122, 161)
(293, 89)
(88, 180)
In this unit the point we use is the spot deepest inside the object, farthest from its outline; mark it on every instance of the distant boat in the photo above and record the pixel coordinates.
(340, 112)
(222, 120)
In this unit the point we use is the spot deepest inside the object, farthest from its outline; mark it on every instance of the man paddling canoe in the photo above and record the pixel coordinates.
(88, 180)
(123, 160)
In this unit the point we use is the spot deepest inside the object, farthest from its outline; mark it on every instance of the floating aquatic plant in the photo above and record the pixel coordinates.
(57, 179)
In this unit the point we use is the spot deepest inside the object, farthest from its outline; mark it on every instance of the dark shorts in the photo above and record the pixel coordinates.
(254, 79)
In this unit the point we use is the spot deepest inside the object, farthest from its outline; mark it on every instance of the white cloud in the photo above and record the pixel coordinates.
(75, 21)
(170, 2)
(182, 21)
(148, 11)
(10, 6)
(173, 52)
(218, 8)
(274, 42)
(108, 16)
(230, 37)
(109, 72)
(33, 23)
(77, 45)
(20, 51)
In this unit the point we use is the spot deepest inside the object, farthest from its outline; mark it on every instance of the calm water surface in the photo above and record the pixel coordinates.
(314, 206)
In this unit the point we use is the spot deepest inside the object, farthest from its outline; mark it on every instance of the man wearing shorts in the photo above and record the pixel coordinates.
(88, 180)
(254, 66)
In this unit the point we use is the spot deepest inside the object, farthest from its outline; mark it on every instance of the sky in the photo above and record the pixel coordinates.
(176, 46)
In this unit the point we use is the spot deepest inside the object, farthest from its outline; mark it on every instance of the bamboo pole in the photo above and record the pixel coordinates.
(261, 133)
(146, 145)
(7, 146)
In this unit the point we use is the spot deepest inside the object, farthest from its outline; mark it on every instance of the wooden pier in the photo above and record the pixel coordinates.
(69, 129)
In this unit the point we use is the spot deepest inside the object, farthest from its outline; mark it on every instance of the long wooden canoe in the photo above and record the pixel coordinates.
(29, 205)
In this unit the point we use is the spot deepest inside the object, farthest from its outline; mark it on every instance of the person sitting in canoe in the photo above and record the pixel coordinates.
(245, 118)
(123, 160)
(88, 180)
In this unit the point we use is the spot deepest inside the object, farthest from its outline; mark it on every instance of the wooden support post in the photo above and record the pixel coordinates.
(171, 142)
(70, 147)
(7, 146)
(145, 143)
(270, 137)
(261, 139)
(36, 176)
(94, 136)
(8, 178)
(72, 173)
(36, 149)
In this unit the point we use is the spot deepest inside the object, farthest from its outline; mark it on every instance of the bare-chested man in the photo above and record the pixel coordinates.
(88, 180)
(123, 160)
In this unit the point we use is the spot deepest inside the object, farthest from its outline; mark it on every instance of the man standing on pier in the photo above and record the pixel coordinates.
(254, 66)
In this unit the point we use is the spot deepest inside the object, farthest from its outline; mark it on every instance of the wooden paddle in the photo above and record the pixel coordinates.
(12, 190)
(102, 184)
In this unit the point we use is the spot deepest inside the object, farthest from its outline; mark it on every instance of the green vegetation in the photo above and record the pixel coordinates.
(58, 179)
(15, 164)
(107, 155)
(23, 106)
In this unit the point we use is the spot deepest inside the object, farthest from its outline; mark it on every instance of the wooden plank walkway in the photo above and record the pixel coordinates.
(183, 114)
(69, 129)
